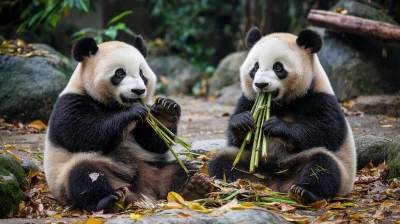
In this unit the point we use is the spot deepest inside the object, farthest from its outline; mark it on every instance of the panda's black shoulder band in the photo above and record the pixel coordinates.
(252, 37)
(310, 40)
(84, 48)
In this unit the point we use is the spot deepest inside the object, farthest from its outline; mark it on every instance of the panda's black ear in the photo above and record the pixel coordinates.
(310, 40)
(140, 45)
(252, 37)
(83, 48)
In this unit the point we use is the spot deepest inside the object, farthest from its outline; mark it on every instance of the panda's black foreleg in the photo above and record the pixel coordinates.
(220, 167)
(167, 112)
(89, 189)
(320, 179)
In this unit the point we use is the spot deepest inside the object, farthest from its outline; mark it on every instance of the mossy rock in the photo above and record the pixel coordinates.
(30, 86)
(12, 180)
(394, 158)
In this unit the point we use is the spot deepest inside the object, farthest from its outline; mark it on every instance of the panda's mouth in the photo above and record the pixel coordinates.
(127, 100)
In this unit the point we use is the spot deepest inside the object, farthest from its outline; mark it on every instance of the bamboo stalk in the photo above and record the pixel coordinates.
(267, 115)
(166, 135)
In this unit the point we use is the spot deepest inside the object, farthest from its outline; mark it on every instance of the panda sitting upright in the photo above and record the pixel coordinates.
(99, 150)
(311, 152)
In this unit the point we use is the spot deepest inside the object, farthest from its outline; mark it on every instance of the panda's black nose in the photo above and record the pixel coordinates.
(138, 91)
(262, 85)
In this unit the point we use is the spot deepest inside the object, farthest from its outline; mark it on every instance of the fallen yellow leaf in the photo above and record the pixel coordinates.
(92, 220)
(37, 124)
(135, 216)
(336, 205)
(173, 205)
(173, 196)
(56, 216)
(204, 169)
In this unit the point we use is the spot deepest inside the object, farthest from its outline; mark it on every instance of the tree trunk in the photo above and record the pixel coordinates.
(355, 25)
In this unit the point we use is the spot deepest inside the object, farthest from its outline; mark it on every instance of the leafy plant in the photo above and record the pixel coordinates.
(110, 32)
(49, 12)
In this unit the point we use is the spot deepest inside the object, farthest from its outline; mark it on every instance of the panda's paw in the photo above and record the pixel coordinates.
(243, 122)
(275, 127)
(197, 186)
(112, 203)
(302, 195)
(166, 105)
(139, 112)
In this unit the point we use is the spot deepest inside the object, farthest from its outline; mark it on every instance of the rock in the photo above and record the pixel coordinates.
(203, 146)
(394, 158)
(29, 165)
(187, 216)
(227, 72)
(180, 73)
(382, 104)
(9, 163)
(12, 180)
(29, 86)
(355, 69)
(371, 148)
(230, 94)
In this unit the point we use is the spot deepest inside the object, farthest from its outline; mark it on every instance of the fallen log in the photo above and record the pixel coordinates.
(355, 25)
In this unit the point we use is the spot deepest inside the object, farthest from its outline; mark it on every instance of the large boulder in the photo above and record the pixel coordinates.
(12, 181)
(29, 86)
(360, 65)
(371, 148)
(181, 76)
(227, 72)
(229, 95)
(394, 158)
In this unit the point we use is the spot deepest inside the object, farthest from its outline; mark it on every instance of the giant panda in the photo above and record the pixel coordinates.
(99, 150)
(311, 152)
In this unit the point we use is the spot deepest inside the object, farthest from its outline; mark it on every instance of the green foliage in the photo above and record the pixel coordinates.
(49, 12)
(110, 32)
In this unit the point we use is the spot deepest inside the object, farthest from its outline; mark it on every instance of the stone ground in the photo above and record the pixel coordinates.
(201, 121)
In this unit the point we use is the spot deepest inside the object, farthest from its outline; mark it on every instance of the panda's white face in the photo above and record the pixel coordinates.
(275, 65)
(120, 74)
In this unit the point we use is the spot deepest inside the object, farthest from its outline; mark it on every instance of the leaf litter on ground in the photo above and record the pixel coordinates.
(373, 199)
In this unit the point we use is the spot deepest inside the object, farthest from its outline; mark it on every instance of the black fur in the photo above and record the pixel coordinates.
(319, 179)
(140, 45)
(254, 70)
(283, 73)
(252, 37)
(85, 193)
(117, 79)
(80, 124)
(235, 134)
(319, 122)
(145, 80)
(84, 48)
(310, 40)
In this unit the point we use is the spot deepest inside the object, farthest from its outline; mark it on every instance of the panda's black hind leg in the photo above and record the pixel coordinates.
(89, 189)
(320, 179)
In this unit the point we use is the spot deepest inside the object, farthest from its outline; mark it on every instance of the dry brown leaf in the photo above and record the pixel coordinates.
(335, 205)
(287, 208)
(295, 218)
(173, 205)
(319, 204)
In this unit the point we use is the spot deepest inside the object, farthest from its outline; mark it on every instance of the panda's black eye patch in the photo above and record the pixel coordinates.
(254, 70)
(118, 76)
(145, 80)
(279, 70)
